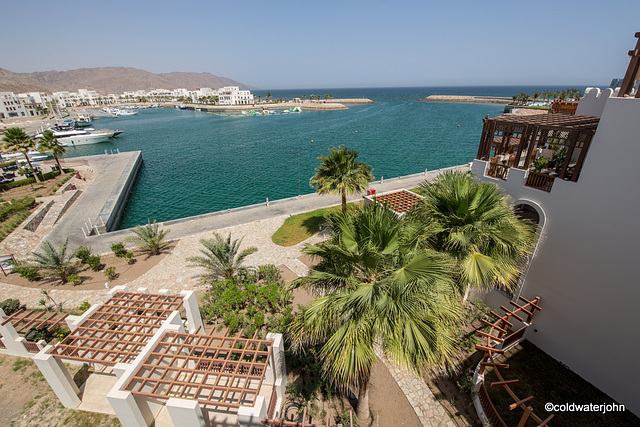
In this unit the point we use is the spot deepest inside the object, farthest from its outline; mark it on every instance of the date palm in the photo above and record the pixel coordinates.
(339, 173)
(148, 237)
(16, 140)
(221, 257)
(475, 223)
(48, 143)
(57, 262)
(379, 290)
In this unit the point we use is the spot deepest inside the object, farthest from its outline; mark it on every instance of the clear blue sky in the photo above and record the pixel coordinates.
(302, 44)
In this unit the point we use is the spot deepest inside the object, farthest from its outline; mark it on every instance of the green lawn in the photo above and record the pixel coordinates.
(298, 228)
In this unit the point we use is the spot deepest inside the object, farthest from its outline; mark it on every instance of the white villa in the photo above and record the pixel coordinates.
(585, 201)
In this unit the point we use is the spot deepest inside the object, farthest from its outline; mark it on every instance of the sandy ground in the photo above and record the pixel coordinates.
(94, 280)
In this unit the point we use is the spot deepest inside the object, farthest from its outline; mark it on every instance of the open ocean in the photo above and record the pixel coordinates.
(197, 162)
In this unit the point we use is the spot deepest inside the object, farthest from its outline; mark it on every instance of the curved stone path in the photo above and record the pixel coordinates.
(173, 272)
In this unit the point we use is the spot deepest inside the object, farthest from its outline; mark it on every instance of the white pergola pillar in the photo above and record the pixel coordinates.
(276, 367)
(190, 304)
(58, 378)
(251, 415)
(187, 413)
(12, 340)
(74, 321)
(127, 409)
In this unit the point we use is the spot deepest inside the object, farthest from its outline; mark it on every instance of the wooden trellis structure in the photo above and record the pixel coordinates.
(499, 337)
(220, 371)
(512, 141)
(633, 72)
(23, 320)
(119, 329)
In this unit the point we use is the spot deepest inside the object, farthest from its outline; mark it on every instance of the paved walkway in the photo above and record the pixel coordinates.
(424, 403)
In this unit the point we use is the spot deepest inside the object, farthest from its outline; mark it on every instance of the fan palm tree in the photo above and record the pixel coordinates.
(148, 237)
(475, 224)
(339, 173)
(221, 258)
(57, 262)
(381, 290)
(50, 144)
(16, 140)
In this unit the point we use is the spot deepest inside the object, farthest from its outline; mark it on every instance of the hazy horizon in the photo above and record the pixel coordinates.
(330, 44)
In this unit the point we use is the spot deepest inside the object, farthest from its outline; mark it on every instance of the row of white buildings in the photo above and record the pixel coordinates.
(32, 103)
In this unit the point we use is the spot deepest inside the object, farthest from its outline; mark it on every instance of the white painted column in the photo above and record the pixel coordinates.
(120, 288)
(58, 378)
(187, 413)
(127, 410)
(74, 321)
(11, 339)
(251, 415)
(190, 303)
(276, 373)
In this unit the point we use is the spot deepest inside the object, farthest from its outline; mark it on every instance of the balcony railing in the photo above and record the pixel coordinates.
(497, 170)
(540, 181)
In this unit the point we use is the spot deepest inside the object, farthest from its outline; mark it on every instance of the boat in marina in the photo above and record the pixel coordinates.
(83, 120)
(34, 156)
(67, 136)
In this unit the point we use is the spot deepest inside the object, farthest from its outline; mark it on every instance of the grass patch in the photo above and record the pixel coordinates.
(77, 418)
(547, 380)
(21, 364)
(298, 228)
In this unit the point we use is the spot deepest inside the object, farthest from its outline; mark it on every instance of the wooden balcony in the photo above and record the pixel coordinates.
(540, 181)
(497, 170)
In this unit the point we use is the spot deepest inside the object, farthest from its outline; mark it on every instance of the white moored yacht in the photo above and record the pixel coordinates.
(68, 136)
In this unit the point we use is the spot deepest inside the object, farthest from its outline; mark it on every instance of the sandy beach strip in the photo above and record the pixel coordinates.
(467, 99)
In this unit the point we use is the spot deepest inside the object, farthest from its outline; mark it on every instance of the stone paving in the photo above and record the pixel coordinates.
(426, 406)
(173, 272)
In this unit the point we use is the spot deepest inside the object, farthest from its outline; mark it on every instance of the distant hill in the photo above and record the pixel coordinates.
(109, 80)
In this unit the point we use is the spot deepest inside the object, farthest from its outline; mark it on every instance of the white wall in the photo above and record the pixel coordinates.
(586, 270)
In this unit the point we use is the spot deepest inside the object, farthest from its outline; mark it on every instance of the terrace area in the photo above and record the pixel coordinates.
(153, 363)
(546, 146)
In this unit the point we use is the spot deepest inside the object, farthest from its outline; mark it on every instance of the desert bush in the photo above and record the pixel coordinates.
(10, 306)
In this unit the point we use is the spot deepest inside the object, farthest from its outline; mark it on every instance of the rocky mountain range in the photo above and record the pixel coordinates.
(109, 80)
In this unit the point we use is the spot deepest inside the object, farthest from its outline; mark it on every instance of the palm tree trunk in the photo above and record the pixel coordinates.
(344, 202)
(35, 175)
(363, 401)
(58, 162)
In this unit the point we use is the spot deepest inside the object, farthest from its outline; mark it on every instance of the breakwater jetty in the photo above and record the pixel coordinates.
(311, 105)
(467, 99)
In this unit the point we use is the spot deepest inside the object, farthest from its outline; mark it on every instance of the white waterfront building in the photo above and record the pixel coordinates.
(232, 95)
(13, 106)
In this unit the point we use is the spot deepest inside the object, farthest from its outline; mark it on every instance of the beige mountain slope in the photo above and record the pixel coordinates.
(109, 80)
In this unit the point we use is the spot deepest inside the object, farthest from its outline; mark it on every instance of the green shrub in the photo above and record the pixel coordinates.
(83, 307)
(60, 332)
(94, 263)
(27, 271)
(111, 273)
(129, 257)
(83, 253)
(74, 279)
(10, 306)
(6, 209)
(119, 250)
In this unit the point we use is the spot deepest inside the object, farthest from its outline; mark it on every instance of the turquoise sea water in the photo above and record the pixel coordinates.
(197, 162)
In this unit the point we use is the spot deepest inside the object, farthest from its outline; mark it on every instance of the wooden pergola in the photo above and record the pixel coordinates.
(119, 329)
(220, 371)
(24, 320)
(633, 72)
(512, 141)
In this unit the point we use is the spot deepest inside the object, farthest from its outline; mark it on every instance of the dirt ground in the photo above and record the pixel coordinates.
(94, 280)
(34, 190)
(27, 399)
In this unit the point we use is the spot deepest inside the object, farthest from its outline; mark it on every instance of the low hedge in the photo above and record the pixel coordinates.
(44, 177)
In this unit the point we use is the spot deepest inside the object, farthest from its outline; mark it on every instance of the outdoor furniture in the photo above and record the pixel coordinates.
(6, 263)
